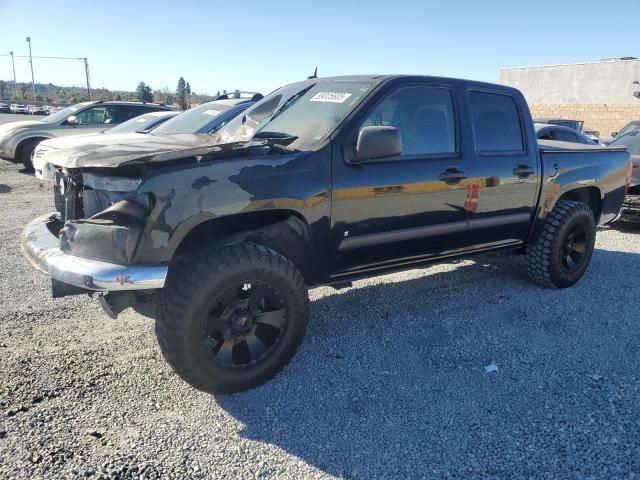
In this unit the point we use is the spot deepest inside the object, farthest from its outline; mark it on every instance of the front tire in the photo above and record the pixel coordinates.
(562, 253)
(232, 318)
(26, 152)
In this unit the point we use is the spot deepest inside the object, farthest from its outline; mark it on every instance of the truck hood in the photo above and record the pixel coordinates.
(111, 151)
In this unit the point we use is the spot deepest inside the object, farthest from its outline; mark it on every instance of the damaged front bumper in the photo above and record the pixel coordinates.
(41, 246)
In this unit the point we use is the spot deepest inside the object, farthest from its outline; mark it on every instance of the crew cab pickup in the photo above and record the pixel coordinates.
(322, 182)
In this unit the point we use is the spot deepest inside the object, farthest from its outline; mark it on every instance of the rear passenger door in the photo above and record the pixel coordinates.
(506, 170)
(127, 112)
(405, 207)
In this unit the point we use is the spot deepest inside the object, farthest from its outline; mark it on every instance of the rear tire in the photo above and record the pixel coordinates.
(562, 253)
(231, 319)
(26, 151)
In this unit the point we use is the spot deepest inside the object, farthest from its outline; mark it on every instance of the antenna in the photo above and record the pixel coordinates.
(315, 74)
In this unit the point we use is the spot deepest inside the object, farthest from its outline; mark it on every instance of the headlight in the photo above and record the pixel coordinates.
(111, 235)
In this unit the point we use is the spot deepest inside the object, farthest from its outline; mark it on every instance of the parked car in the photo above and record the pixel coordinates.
(207, 117)
(563, 122)
(131, 129)
(545, 131)
(629, 127)
(322, 182)
(630, 140)
(19, 108)
(182, 132)
(4, 108)
(36, 110)
(19, 139)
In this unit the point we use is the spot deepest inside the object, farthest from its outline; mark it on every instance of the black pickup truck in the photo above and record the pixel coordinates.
(322, 182)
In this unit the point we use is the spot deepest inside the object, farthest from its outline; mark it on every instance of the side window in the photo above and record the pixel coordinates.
(127, 112)
(424, 116)
(91, 116)
(565, 136)
(496, 122)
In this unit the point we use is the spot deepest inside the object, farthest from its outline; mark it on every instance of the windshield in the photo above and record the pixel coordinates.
(193, 120)
(630, 141)
(133, 125)
(64, 113)
(305, 111)
(630, 127)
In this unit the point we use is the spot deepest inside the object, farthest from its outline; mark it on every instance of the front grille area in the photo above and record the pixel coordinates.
(67, 196)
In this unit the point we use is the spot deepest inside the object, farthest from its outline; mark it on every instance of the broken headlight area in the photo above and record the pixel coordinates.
(111, 235)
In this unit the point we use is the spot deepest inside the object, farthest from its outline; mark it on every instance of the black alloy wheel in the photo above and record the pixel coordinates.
(244, 324)
(574, 248)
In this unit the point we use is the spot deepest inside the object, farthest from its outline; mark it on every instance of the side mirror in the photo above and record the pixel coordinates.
(378, 142)
(614, 134)
(72, 120)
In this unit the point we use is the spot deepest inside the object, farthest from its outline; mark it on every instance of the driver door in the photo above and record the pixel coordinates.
(408, 207)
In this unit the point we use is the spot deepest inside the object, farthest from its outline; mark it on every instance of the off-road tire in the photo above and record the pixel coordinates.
(186, 298)
(25, 152)
(544, 257)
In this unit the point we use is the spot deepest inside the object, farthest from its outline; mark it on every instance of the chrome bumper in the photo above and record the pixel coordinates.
(42, 248)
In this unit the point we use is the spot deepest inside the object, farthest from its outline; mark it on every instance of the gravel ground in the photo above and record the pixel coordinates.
(390, 382)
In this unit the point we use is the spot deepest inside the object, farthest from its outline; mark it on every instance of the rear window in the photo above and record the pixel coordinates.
(496, 122)
(565, 136)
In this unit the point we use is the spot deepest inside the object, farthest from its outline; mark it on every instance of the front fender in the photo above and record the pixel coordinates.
(189, 195)
(10, 145)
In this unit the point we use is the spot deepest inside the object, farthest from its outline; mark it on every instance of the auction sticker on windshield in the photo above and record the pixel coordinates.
(332, 97)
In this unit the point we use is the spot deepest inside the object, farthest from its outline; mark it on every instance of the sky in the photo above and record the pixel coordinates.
(261, 45)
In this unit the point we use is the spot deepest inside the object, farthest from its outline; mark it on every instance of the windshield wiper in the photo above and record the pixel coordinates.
(288, 102)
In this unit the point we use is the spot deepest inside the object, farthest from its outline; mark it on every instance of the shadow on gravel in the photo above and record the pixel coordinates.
(625, 226)
(390, 382)
(4, 188)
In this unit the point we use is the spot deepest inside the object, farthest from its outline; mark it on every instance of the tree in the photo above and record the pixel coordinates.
(144, 93)
(3, 87)
(23, 90)
(181, 93)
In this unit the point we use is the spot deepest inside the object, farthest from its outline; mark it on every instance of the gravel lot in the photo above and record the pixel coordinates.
(390, 382)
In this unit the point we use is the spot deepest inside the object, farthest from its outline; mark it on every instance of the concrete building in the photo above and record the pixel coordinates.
(599, 93)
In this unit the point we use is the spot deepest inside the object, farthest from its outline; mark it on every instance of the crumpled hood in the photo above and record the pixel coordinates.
(22, 124)
(114, 150)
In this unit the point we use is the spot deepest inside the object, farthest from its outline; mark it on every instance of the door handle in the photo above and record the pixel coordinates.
(523, 171)
(452, 175)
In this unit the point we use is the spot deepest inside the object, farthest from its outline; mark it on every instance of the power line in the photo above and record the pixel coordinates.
(34, 56)
(30, 57)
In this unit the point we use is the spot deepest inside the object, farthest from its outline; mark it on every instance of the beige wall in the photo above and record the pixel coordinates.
(601, 117)
(597, 82)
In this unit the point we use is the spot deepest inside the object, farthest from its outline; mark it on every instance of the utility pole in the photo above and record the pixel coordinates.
(86, 71)
(13, 63)
(33, 82)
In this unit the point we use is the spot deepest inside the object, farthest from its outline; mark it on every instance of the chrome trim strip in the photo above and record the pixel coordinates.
(42, 249)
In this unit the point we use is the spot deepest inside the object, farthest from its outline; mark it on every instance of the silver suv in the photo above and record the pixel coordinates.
(19, 139)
